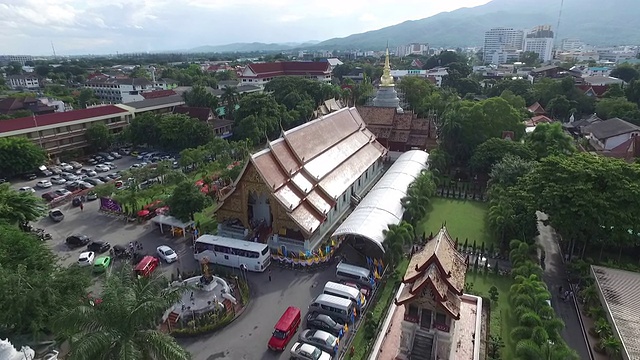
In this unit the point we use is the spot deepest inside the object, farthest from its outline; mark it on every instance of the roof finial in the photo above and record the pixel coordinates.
(386, 79)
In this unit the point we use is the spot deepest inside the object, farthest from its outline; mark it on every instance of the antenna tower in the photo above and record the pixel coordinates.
(559, 18)
(54, 50)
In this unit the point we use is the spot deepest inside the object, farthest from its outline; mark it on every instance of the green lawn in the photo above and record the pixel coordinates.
(465, 220)
(500, 321)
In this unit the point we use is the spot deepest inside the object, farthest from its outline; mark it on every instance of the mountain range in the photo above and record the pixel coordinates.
(595, 22)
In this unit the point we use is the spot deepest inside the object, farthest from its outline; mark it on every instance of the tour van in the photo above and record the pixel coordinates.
(357, 274)
(285, 329)
(346, 292)
(339, 309)
(146, 266)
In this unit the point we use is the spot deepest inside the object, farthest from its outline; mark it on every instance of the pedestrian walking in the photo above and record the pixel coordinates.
(81, 207)
(560, 292)
(269, 274)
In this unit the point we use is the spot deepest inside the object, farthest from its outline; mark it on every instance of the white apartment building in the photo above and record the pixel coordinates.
(119, 91)
(505, 56)
(540, 41)
(570, 44)
(498, 39)
(24, 81)
(412, 49)
(22, 59)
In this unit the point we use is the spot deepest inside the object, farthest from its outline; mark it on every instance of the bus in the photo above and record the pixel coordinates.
(232, 252)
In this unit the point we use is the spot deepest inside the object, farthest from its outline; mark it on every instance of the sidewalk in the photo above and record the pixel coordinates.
(555, 276)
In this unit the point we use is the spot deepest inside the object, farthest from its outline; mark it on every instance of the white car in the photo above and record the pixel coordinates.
(110, 165)
(86, 258)
(75, 164)
(26, 189)
(102, 168)
(44, 184)
(69, 176)
(135, 166)
(66, 167)
(167, 254)
(58, 180)
(302, 351)
(62, 192)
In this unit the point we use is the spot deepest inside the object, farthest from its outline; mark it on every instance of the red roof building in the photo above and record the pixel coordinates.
(262, 73)
(536, 109)
(596, 91)
(158, 94)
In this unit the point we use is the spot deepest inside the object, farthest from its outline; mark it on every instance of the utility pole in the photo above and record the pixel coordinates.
(54, 50)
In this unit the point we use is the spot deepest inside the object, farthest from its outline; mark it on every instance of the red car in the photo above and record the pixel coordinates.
(285, 329)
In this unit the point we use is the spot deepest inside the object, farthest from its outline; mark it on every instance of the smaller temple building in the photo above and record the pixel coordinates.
(432, 300)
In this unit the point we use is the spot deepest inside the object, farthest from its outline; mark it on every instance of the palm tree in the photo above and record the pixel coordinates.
(124, 325)
(18, 207)
(230, 98)
(395, 238)
(529, 350)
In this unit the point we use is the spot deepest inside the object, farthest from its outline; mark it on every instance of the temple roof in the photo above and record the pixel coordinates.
(438, 267)
(310, 166)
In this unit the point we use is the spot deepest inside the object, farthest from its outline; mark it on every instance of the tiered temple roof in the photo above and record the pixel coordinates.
(437, 271)
(406, 128)
(312, 165)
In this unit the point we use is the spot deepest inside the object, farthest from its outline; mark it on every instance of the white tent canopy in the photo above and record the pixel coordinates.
(171, 221)
(381, 206)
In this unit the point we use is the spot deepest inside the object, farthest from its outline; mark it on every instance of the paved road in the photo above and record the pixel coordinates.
(247, 337)
(555, 276)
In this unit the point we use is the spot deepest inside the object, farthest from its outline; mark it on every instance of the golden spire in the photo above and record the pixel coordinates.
(386, 79)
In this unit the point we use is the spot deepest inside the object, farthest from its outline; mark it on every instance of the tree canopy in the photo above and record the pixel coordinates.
(170, 131)
(618, 107)
(198, 96)
(98, 137)
(493, 150)
(186, 200)
(260, 116)
(550, 139)
(19, 155)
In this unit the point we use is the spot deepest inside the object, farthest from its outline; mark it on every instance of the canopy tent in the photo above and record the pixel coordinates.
(381, 206)
(174, 223)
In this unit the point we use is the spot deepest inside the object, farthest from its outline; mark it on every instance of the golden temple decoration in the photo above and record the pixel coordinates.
(386, 79)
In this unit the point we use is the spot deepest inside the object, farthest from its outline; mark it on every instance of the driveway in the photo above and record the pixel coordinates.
(555, 276)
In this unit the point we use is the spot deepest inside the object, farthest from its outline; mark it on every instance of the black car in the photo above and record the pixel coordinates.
(77, 240)
(72, 186)
(323, 322)
(30, 176)
(104, 179)
(99, 246)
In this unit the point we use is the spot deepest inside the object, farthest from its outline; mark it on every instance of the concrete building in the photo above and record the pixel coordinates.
(119, 91)
(608, 134)
(22, 59)
(261, 73)
(24, 81)
(505, 56)
(295, 192)
(540, 41)
(412, 49)
(571, 44)
(498, 39)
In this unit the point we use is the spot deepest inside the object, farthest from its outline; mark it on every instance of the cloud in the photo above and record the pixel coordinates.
(98, 26)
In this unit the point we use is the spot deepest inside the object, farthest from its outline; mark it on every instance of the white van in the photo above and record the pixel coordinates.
(354, 273)
(344, 291)
(339, 309)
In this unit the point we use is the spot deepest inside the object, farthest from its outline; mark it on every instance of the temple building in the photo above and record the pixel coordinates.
(395, 128)
(294, 192)
(432, 299)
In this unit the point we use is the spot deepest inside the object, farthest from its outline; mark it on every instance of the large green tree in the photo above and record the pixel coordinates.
(493, 150)
(626, 72)
(19, 155)
(418, 196)
(98, 137)
(33, 288)
(186, 200)
(199, 96)
(618, 107)
(396, 237)
(260, 116)
(550, 139)
(124, 325)
(415, 90)
(17, 207)
(178, 131)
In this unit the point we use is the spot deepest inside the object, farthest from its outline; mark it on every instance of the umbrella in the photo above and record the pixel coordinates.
(143, 212)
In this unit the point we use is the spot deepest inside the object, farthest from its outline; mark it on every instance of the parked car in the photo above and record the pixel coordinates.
(56, 215)
(85, 185)
(86, 258)
(44, 184)
(29, 176)
(91, 195)
(43, 171)
(141, 155)
(50, 196)
(135, 166)
(94, 182)
(167, 254)
(92, 161)
(320, 339)
(102, 168)
(110, 165)
(58, 180)
(101, 264)
(114, 176)
(99, 246)
(77, 240)
(125, 151)
(116, 155)
(302, 351)
(62, 192)
(88, 172)
(104, 178)
(27, 189)
(82, 177)
(69, 176)
(66, 167)
(325, 323)
(57, 170)
(72, 186)
(75, 164)
(106, 156)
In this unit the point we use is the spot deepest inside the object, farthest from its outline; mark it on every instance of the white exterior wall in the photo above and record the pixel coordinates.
(497, 39)
(29, 83)
(541, 46)
(614, 141)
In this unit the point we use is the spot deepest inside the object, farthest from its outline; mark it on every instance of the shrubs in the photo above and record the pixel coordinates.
(204, 324)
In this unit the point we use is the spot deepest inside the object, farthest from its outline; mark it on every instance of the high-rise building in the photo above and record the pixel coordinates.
(500, 39)
(412, 49)
(571, 44)
(540, 41)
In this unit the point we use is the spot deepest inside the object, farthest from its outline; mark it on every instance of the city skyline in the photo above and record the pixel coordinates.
(93, 27)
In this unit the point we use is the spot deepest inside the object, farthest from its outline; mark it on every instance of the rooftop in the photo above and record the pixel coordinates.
(620, 296)
(165, 100)
(200, 113)
(58, 118)
(290, 68)
(158, 94)
(610, 128)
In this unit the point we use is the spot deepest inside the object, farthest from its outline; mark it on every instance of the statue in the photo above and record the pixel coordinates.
(205, 269)
(8, 352)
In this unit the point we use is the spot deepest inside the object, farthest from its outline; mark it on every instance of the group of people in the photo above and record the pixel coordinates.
(135, 245)
(565, 295)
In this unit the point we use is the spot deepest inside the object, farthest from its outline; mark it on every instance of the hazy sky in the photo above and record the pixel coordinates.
(107, 26)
